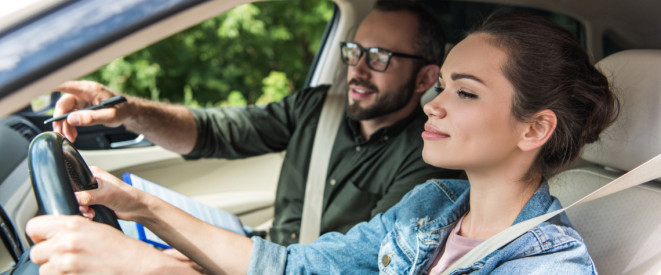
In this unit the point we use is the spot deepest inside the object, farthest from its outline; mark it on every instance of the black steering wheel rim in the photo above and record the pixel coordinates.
(57, 170)
(50, 176)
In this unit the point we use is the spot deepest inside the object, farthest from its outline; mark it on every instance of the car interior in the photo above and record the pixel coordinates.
(622, 231)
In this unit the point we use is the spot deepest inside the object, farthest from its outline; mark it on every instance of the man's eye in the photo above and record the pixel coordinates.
(464, 94)
(382, 58)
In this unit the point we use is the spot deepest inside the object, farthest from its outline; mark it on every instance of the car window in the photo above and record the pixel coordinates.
(73, 31)
(254, 54)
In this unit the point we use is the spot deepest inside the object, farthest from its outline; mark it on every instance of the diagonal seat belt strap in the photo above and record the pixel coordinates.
(329, 122)
(645, 172)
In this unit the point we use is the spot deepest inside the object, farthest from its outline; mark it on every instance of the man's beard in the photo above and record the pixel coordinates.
(386, 103)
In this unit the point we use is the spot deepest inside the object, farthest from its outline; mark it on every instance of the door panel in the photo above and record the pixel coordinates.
(245, 187)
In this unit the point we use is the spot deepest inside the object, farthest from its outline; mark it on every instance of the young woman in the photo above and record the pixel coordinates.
(518, 99)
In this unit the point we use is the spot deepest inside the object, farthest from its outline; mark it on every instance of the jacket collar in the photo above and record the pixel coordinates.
(539, 204)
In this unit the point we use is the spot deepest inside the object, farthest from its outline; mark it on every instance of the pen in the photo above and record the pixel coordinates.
(106, 103)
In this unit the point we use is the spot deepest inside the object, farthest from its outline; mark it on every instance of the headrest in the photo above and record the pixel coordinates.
(635, 137)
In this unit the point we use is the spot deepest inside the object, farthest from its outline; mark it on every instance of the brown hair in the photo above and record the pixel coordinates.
(550, 70)
(430, 41)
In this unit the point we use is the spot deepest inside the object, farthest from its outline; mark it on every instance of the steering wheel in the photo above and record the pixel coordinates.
(57, 170)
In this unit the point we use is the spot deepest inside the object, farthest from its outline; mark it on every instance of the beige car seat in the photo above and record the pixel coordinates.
(622, 231)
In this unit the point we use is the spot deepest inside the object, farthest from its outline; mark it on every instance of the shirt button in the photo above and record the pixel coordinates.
(293, 235)
(333, 182)
(358, 148)
(385, 138)
(385, 260)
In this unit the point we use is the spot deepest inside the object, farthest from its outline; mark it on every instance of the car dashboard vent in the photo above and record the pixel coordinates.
(24, 129)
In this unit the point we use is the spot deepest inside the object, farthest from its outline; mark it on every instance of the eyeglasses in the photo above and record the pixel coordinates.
(376, 59)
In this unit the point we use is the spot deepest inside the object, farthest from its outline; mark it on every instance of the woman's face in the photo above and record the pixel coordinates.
(470, 124)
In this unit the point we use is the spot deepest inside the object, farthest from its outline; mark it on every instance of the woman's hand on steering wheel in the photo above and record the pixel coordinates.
(126, 201)
(70, 244)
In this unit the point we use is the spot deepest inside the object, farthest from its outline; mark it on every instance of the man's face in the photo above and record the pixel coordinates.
(376, 94)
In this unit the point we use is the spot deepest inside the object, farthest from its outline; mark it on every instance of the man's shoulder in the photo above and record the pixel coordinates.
(310, 98)
(410, 132)
(314, 91)
(418, 119)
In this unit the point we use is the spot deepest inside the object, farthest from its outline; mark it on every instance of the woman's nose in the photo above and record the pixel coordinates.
(435, 107)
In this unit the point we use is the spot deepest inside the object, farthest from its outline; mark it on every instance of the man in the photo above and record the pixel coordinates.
(376, 157)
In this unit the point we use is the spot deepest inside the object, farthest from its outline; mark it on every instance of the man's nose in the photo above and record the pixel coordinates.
(361, 69)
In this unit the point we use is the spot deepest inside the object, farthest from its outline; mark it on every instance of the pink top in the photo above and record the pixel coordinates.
(456, 246)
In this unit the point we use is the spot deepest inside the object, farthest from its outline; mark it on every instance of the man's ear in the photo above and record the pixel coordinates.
(426, 77)
(538, 130)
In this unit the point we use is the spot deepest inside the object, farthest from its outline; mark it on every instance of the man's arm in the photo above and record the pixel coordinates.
(169, 126)
(253, 130)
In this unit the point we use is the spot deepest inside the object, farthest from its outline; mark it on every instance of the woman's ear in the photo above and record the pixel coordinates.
(426, 77)
(538, 130)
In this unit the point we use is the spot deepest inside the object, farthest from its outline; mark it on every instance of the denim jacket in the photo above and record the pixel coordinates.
(406, 239)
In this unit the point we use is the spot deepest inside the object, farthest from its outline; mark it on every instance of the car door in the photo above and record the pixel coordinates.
(244, 187)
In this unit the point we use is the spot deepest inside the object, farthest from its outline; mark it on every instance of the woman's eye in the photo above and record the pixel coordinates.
(438, 89)
(464, 94)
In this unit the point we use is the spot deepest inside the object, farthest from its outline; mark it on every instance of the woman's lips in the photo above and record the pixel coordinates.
(432, 133)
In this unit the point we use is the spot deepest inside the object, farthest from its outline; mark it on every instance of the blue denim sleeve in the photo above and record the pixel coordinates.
(355, 252)
(267, 257)
(333, 253)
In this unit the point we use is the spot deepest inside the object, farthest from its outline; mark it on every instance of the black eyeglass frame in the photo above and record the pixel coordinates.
(363, 51)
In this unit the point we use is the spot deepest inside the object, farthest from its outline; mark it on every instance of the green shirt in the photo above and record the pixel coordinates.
(365, 177)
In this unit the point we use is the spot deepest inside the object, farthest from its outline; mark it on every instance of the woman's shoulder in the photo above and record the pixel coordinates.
(551, 237)
(548, 246)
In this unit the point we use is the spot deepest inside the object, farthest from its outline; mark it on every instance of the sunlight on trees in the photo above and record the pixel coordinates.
(254, 54)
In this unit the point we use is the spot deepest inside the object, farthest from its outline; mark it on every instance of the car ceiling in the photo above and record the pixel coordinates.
(636, 23)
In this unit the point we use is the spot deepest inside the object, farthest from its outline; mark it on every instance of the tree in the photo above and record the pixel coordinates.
(253, 54)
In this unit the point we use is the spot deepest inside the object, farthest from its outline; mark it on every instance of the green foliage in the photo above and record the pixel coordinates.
(274, 88)
(253, 54)
(235, 99)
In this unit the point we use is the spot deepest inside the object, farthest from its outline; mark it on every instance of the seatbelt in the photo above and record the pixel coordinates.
(329, 122)
(647, 171)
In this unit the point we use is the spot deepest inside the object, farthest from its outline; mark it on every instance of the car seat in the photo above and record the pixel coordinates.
(622, 231)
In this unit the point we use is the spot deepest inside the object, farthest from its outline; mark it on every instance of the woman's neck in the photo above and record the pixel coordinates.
(496, 199)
